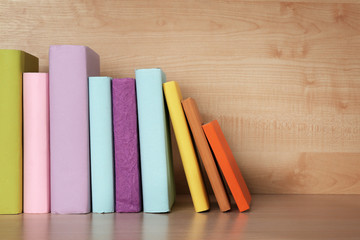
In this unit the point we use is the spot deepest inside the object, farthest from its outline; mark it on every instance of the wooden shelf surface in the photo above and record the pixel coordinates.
(271, 217)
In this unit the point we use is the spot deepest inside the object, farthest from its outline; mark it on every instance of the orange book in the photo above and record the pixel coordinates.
(228, 165)
(194, 119)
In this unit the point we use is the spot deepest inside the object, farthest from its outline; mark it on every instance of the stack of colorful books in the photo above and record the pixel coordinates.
(72, 141)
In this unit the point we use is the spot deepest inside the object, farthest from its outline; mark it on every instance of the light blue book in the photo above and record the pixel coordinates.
(101, 145)
(155, 147)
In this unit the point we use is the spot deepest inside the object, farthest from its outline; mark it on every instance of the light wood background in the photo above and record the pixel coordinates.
(282, 78)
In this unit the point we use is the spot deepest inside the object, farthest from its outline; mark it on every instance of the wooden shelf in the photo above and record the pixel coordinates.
(271, 217)
(282, 79)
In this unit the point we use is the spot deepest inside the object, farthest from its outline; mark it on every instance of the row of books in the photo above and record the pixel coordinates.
(86, 136)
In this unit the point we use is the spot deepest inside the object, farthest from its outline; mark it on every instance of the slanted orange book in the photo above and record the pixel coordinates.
(194, 119)
(228, 165)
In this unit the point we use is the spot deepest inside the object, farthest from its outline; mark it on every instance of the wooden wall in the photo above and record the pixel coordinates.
(282, 78)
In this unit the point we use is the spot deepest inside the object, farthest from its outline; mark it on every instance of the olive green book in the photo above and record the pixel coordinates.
(12, 65)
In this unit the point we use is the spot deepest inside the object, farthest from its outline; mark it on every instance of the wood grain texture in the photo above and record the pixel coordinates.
(312, 173)
(282, 78)
(272, 217)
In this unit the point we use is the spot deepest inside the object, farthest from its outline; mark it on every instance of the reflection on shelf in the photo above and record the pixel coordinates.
(182, 223)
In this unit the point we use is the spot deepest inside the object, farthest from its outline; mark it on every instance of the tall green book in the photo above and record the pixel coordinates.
(12, 65)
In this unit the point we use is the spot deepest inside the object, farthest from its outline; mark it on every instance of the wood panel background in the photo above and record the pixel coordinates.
(282, 78)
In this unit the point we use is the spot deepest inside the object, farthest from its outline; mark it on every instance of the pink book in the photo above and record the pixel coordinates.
(36, 143)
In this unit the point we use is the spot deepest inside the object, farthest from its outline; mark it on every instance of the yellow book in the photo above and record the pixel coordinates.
(187, 152)
(12, 65)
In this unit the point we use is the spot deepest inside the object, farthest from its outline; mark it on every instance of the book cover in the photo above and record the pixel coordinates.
(228, 165)
(127, 165)
(101, 145)
(189, 160)
(157, 176)
(12, 65)
(194, 119)
(36, 143)
(69, 69)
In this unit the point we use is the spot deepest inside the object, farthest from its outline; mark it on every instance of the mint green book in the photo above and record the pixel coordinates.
(101, 145)
(155, 147)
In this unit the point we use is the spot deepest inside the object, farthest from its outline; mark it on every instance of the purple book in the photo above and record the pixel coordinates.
(127, 167)
(69, 69)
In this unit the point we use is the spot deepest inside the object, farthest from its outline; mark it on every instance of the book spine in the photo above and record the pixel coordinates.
(186, 148)
(69, 69)
(194, 119)
(228, 165)
(12, 64)
(101, 145)
(127, 166)
(36, 143)
(155, 147)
